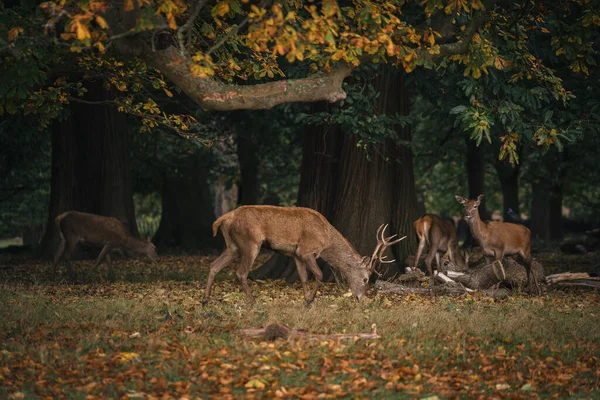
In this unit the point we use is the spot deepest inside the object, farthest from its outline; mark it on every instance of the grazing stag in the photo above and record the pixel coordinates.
(105, 232)
(498, 239)
(299, 232)
(441, 237)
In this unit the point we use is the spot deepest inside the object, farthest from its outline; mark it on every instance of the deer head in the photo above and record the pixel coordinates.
(149, 250)
(471, 206)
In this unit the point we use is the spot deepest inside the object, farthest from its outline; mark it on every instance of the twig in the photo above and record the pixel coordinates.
(91, 103)
(188, 25)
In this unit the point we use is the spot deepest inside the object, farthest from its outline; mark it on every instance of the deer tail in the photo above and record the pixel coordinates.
(422, 226)
(58, 221)
(218, 223)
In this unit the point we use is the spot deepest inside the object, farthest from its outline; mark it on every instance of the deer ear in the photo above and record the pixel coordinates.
(479, 198)
(148, 239)
(460, 199)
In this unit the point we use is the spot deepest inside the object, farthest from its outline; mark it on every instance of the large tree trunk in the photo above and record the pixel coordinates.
(90, 165)
(247, 156)
(356, 194)
(187, 210)
(509, 181)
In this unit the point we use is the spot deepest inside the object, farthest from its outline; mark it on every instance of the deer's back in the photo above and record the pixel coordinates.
(92, 228)
(280, 228)
(440, 231)
(511, 237)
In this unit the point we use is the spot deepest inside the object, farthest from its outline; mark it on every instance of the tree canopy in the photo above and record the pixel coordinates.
(503, 58)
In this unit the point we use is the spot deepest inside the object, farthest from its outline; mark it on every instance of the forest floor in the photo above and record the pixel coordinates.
(145, 335)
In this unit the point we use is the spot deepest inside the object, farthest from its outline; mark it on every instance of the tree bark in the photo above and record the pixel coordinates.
(509, 181)
(555, 216)
(356, 194)
(248, 190)
(540, 210)
(187, 209)
(476, 174)
(90, 165)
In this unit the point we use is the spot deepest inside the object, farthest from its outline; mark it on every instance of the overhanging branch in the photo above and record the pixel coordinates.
(215, 95)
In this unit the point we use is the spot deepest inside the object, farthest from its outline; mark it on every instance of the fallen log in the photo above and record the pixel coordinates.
(492, 274)
(565, 276)
(279, 331)
(446, 289)
(595, 284)
(581, 279)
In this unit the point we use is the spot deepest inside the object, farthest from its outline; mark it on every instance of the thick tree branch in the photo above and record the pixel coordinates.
(214, 95)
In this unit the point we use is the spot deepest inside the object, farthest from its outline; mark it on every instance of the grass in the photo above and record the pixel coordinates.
(146, 336)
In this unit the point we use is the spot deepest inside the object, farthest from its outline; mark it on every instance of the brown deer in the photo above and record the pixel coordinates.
(498, 239)
(299, 232)
(106, 232)
(441, 237)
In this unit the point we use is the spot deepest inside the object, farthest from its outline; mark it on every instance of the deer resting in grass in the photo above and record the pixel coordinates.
(498, 239)
(106, 232)
(441, 237)
(299, 232)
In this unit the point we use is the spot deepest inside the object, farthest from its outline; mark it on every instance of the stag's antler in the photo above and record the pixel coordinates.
(382, 244)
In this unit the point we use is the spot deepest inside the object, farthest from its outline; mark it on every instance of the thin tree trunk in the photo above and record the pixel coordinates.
(90, 165)
(540, 210)
(555, 212)
(476, 174)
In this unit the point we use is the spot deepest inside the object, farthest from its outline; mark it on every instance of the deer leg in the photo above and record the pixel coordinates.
(429, 260)
(303, 274)
(311, 263)
(438, 261)
(59, 254)
(419, 251)
(111, 272)
(248, 257)
(216, 266)
(104, 253)
(68, 252)
(530, 273)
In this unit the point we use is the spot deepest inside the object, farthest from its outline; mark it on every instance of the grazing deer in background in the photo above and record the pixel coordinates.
(441, 237)
(299, 232)
(105, 232)
(498, 239)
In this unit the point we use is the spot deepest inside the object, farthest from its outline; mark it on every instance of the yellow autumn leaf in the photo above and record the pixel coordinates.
(220, 9)
(101, 22)
(81, 31)
(13, 33)
(168, 92)
(476, 73)
(498, 63)
(126, 357)
(128, 6)
(255, 384)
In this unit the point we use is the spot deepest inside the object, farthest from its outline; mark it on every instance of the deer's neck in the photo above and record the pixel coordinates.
(133, 244)
(478, 227)
(340, 253)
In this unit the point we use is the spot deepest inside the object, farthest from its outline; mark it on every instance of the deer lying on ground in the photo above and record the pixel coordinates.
(109, 233)
(299, 232)
(441, 237)
(498, 239)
